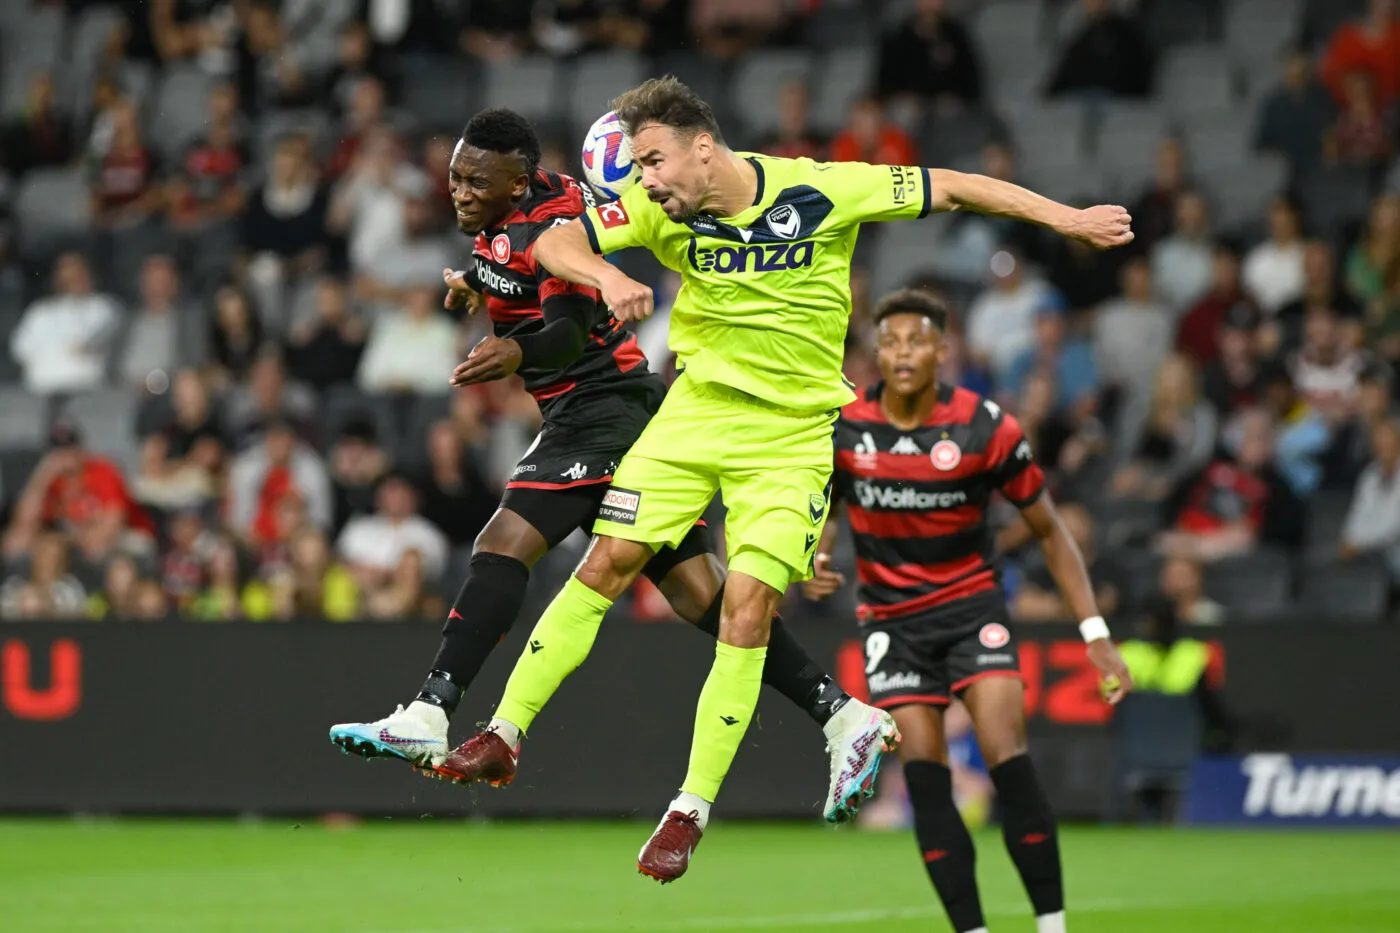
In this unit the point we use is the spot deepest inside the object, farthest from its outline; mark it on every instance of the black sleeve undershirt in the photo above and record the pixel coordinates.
(567, 319)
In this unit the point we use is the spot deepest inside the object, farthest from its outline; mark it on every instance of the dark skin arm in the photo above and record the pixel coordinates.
(1066, 565)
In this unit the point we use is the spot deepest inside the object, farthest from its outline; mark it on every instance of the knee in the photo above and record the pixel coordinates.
(611, 565)
(505, 539)
(1002, 745)
(746, 623)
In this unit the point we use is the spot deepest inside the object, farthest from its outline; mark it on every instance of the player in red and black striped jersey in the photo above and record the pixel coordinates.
(596, 395)
(917, 463)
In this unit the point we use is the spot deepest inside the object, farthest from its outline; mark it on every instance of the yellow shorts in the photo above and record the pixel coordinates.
(771, 465)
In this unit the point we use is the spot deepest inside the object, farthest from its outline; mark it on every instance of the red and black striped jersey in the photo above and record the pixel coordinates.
(917, 500)
(516, 289)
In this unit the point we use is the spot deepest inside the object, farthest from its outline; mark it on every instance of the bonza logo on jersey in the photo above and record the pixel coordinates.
(769, 257)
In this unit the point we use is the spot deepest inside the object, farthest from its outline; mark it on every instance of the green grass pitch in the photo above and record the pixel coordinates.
(455, 877)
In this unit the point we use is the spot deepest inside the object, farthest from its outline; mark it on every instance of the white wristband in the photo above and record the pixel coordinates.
(1093, 628)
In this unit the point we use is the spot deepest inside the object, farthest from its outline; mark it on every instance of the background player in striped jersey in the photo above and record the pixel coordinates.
(916, 465)
(596, 395)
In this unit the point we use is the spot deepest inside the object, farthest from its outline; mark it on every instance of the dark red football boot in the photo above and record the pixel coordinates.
(666, 855)
(483, 757)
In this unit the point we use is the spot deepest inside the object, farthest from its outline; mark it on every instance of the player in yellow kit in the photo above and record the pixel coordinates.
(763, 246)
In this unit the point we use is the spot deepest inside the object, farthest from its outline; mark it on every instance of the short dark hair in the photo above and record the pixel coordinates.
(668, 102)
(913, 301)
(506, 132)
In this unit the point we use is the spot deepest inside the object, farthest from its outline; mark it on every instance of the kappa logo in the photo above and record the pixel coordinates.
(620, 506)
(784, 221)
(994, 635)
(946, 455)
(613, 214)
(906, 445)
(816, 507)
(576, 472)
(500, 248)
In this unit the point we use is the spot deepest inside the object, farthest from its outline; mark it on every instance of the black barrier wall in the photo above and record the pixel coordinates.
(188, 718)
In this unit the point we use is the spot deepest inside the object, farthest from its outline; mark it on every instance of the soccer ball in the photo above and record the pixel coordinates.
(607, 158)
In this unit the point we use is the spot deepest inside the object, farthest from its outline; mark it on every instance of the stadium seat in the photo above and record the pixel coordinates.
(16, 466)
(1019, 80)
(51, 209)
(178, 114)
(1252, 587)
(754, 85)
(1125, 522)
(1196, 79)
(1327, 513)
(1219, 144)
(442, 94)
(34, 35)
(943, 140)
(107, 421)
(1053, 134)
(595, 81)
(1355, 591)
(844, 75)
(1258, 31)
(1085, 183)
(832, 26)
(1128, 138)
(527, 85)
(701, 73)
(1141, 572)
(94, 24)
(1005, 29)
(1157, 737)
(275, 124)
(346, 403)
(24, 419)
(1240, 195)
(1170, 23)
(1334, 200)
(900, 259)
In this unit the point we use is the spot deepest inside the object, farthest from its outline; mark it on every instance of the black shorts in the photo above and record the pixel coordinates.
(559, 482)
(931, 657)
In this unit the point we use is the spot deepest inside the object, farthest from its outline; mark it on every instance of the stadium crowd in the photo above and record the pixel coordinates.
(223, 225)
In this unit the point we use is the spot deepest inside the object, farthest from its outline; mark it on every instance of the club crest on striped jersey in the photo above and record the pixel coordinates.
(994, 635)
(946, 455)
(500, 248)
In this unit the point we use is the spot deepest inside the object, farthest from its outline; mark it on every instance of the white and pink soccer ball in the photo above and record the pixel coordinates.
(607, 158)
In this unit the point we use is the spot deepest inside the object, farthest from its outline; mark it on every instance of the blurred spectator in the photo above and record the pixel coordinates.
(173, 30)
(1181, 262)
(1234, 380)
(285, 221)
(368, 207)
(279, 468)
(182, 462)
(412, 350)
(437, 162)
(101, 115)
(1132, 333)
(964, 250)
(270, 73)
(148, 350)
(728, 28)
(207, 184)
(1001, 320)
(496, 30)
(1326, 367)
(357, 464)
(795, 138)
(125, 183)
(1373, 521)
(182, 570)
(1038, 599)
(455, 496)
(1362, 135)
(1182, 583)
(1154, 214)
(1302, 435)
(930, 56)
(325, 351)
(404, 596)
(149, 602)
(235, 335)
(1064, 446)
(363, 119)
(117, 598)
(1351, 440)
(41, 136)
(1370, 46)
(1177, 439)
(1085, 276)
(1376, 254)
(416, 261)
(219, 600)
(1273, 270)
(869, 137)
(568, 27)
(61, 343)
(267, 398)
(50, 588)
(312, 587)
(1294, 117)
(82, 494)
(374, 545)
(359, 56)
(1237, 503)
(1383, 321)
(1108, 55)
(1069, 360)
(1320, 290)
(1199, 334)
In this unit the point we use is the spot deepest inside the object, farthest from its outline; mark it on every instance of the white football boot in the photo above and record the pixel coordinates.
(857, 738)
(418, 735)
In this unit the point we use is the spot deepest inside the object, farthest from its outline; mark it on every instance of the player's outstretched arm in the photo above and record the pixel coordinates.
(1103, 226)
(565, 251)
(1066, 565)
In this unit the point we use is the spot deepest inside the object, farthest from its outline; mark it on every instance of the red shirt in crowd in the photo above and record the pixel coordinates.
(1224, 496)
(123, 179)
(98, 487)
(894, 147)
(1353, 48)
